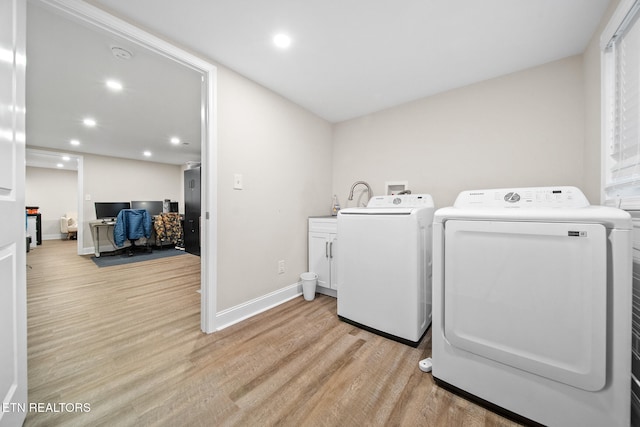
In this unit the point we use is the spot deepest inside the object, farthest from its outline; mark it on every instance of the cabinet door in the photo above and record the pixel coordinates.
(319, 261)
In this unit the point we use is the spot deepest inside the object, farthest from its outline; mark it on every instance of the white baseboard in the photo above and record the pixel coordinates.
(233, 315)
(54, 237)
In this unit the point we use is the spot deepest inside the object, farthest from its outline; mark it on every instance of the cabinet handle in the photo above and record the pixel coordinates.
(326, 249)
(331, 250)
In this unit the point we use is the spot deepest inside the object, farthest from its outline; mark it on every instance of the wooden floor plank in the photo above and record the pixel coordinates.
(127, 341)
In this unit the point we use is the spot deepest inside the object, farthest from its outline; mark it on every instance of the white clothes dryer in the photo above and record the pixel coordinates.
(532, 305)
(384, 266)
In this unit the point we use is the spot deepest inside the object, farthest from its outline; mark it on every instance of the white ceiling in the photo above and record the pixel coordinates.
(348, 58)
(68, 64)
(352, 57)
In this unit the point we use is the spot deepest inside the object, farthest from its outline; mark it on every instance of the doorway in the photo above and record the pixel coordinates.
(96, 19)
(67, 162)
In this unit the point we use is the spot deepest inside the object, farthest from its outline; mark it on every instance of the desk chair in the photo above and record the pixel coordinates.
(132, 224)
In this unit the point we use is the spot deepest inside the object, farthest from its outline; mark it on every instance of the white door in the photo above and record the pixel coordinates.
(13, 299)
(529, 295)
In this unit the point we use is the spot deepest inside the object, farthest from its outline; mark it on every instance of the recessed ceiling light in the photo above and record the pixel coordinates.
(175, 140)
(66, 158)
(114, 85)
(74, 142)
(60, 165)
(89, 122)
(147, 153)
(282, 40)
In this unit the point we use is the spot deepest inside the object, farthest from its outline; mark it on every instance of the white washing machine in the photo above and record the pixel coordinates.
(384, 266)
(532, 305)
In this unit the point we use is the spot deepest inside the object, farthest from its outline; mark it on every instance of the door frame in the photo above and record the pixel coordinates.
(79, 159)
(93, 16)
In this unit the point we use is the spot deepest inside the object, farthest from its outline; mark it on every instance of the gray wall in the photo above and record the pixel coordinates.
(285, 156)
(523, 129)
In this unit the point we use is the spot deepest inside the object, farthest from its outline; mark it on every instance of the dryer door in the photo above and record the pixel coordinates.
(529, 295)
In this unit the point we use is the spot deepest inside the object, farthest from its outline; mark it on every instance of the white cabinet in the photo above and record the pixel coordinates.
(323, 246)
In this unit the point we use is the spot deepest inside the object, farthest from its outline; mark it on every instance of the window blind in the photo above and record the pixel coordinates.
(622, 112)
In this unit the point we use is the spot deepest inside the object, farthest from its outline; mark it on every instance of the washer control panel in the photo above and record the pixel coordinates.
(532, 197)
(401, 201)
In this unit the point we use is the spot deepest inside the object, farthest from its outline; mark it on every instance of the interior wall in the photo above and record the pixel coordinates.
(522, 129)
(55, 192)
(111, 179)
(284, 155)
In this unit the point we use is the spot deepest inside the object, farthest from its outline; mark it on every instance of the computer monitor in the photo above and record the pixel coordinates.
(153, 207)
(110, 210)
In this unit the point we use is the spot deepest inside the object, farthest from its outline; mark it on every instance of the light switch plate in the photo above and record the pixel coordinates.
(237, 181)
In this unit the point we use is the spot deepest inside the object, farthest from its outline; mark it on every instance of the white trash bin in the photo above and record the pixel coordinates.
(309, 281)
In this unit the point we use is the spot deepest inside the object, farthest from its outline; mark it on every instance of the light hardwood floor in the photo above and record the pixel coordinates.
(126, 340)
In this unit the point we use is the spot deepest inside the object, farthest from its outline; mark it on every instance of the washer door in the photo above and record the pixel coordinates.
(529, 295)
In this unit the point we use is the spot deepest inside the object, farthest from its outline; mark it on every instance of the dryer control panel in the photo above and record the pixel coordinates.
(530, 197)
(401, 201)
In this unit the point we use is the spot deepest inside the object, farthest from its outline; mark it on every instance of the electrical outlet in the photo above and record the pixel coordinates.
(281, 267)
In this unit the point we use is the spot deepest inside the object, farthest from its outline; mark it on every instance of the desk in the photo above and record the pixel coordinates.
(95, 233)
(107, 227)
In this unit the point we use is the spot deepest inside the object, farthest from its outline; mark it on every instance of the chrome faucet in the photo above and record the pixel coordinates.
(369, 192)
